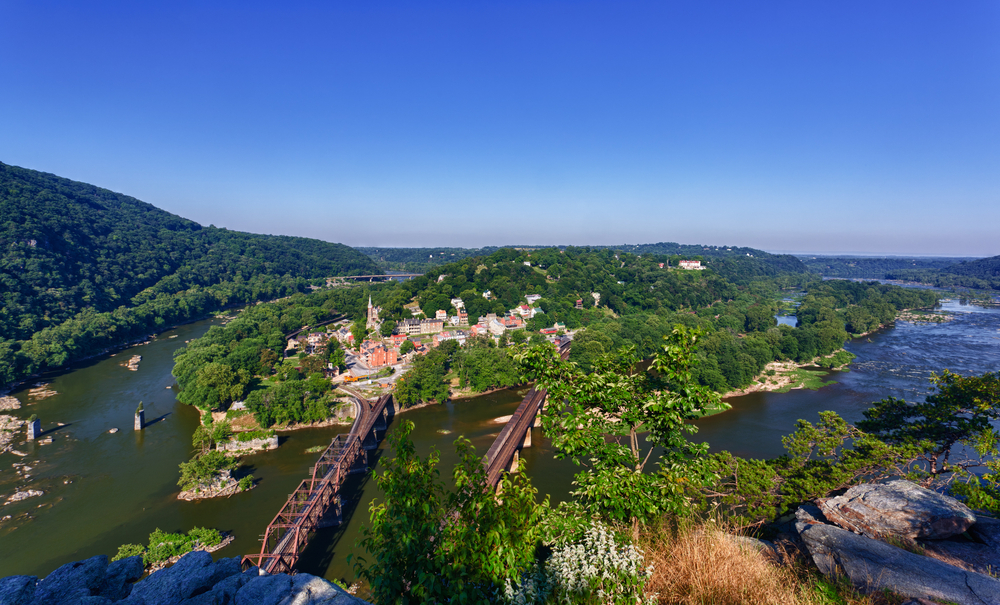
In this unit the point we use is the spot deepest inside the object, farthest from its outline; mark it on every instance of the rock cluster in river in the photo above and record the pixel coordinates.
(902, 537)
(194, 580)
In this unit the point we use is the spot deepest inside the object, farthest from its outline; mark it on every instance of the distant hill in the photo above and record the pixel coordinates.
(873, 267)
(984, 268)
(943, 272)
(733, 262)
(68, 248)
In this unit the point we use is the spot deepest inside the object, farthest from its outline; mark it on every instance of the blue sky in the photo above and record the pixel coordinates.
(813, 126)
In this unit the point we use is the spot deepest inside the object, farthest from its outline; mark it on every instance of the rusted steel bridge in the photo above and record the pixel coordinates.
(316, 502)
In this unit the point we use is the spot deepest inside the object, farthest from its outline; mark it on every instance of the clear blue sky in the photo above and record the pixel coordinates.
(820, 126)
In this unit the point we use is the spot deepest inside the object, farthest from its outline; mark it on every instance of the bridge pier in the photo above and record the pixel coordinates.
(514, 462)
(370, 442)
(527, 438)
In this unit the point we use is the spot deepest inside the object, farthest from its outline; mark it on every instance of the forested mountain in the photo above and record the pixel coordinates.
(72, 251)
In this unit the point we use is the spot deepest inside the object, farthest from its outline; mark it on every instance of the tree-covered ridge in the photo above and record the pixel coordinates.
(863, 267)
(735, 262)
(420, 260)
(69, 247)
(625, 282)
(941, 272)
(750, 261)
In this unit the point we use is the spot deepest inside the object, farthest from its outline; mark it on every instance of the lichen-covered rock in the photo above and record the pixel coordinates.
(898, 508)
(72, 582)
(119, 576)
(874, 565)
(17, 590)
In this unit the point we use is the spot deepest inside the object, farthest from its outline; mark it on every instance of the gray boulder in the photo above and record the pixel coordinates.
(967, 555)
(301, 589)
(873, 565)
(987, 531)
(898, 508)
(17, 590)
(192, 575)
(119, 576)
(264, 590)
(311, 590)
(72, 582)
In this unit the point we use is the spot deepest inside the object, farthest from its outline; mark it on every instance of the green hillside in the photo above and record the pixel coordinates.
(72, 252)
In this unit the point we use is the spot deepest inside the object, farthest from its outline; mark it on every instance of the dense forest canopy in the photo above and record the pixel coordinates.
(943, 272)
(419, 260)
(624, 299)
(75, 255)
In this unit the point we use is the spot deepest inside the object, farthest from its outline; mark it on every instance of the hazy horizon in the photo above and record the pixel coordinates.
(866, 128)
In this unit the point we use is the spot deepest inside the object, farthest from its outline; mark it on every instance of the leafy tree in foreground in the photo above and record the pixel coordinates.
(916, 440)
(620, 400)
(962, 412)
(431, 545)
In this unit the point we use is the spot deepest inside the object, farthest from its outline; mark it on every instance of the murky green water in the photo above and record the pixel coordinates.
(103, 490)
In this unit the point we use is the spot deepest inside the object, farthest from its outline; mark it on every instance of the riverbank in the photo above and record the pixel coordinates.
(783, 376)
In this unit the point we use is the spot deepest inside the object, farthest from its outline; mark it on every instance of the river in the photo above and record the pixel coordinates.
(103, 490)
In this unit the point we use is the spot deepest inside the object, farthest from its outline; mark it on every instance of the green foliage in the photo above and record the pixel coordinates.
(431, 545)
(963, 411)
(896, 438)
(251, 435)
(821, 459)
(163, 545)
(425, 380)
(129, 550)
(84, 268)
(482, 366)
(606, 410)
(406, 347)
(204, 468)
(245, 483)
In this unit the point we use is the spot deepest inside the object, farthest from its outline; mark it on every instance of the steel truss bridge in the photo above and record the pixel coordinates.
(316, 502)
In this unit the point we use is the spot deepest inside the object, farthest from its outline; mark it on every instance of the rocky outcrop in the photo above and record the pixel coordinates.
(249, 446)
(898, 508)
(874, 565)
(904, 538)
(194, 580)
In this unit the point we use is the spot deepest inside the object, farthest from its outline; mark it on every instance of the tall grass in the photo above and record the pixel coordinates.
(700, 564)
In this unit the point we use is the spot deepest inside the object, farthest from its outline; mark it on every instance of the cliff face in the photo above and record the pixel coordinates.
(194, 580)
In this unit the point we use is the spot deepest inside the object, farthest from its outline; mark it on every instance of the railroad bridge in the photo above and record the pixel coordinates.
(316, 502)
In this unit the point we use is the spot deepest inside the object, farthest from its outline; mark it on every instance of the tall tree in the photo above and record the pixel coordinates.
(607, 410)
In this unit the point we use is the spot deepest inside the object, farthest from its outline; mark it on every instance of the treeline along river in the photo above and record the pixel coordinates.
(102, 489)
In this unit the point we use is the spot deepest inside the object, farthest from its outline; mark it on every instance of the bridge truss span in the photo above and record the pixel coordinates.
(316, 501)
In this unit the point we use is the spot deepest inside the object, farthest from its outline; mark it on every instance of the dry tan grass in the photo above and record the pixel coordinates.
(702, 565)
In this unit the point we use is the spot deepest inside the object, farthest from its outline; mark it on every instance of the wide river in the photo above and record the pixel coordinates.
(102, 489)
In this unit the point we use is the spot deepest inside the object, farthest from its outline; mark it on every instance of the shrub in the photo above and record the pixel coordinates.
(128, 550)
